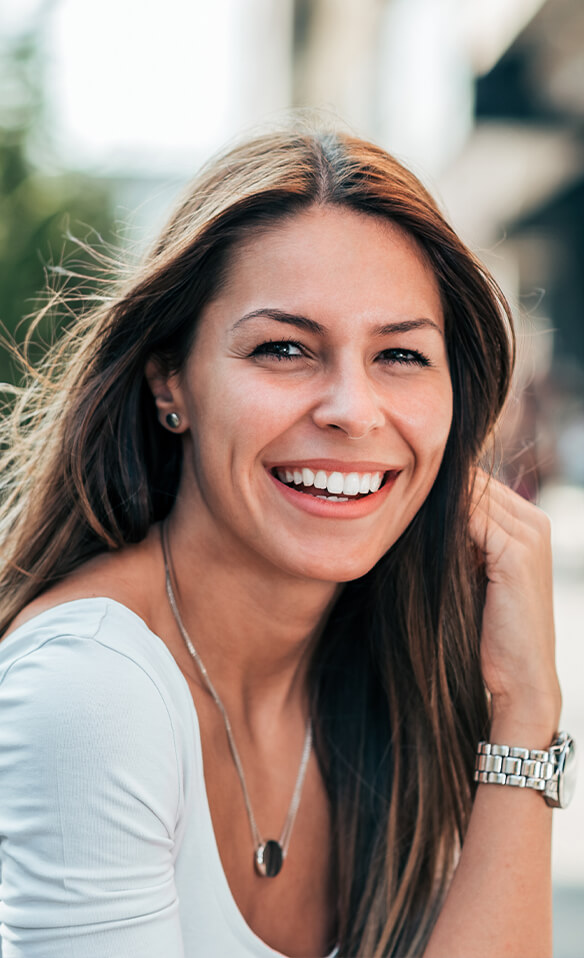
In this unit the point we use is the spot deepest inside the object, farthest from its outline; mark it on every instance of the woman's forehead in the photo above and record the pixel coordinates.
(331, 244)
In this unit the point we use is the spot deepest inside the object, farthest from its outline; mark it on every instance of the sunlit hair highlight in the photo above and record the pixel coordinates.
(398, 699)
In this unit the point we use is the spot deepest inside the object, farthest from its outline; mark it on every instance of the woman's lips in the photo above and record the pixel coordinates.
(322, 502)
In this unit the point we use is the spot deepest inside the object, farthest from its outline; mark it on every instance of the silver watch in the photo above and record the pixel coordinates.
(551, 771)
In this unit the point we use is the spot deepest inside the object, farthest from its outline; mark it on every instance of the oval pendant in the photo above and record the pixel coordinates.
(269, 859)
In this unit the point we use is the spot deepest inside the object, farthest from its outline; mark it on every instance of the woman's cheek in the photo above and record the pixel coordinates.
(425, 420)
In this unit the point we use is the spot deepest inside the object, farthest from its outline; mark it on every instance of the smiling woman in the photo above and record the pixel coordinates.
(368, 363)
(260, 604)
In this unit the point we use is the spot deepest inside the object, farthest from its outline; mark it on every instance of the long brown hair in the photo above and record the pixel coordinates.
(398, 699)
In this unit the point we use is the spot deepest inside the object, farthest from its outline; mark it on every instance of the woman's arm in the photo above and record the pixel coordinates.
(499, 903)
(89, 802)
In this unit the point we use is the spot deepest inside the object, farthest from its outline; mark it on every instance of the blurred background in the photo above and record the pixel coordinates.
(106, 110)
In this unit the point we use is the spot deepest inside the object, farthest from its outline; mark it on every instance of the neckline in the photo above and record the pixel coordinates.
(226, 901)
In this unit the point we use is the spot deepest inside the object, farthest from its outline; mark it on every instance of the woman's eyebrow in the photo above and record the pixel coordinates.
(405, 325)
(292, 319)
(302, 322)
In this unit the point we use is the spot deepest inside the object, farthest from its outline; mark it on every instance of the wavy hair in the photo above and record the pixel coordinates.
(397, 695)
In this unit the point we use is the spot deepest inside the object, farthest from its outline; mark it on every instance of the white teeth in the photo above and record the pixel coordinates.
(333, 498)
(335, 483)
(339, 485)
(364, 486)
(375, 481)
(351, 484)
(320, 479)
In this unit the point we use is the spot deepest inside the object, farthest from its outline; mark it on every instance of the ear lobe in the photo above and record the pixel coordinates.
(167, 395)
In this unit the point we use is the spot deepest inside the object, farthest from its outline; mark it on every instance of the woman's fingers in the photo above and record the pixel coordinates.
(493, 496)
(517, 651)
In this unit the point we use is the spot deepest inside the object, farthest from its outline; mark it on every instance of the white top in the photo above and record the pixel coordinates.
(106, 839)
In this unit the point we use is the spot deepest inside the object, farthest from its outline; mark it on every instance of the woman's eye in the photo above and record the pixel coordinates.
(405, 357)
(281, 349)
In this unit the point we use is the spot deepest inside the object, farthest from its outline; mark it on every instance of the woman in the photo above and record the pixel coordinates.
(249, 482)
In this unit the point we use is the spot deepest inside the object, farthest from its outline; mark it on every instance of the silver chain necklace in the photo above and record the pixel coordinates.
(268, 855)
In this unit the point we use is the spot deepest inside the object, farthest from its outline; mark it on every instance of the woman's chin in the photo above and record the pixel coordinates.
(333, 571)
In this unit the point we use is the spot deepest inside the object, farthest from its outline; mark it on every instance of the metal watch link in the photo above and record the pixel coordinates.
(551, 771)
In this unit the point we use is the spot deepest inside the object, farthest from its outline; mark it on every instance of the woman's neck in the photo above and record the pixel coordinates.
(253, 626)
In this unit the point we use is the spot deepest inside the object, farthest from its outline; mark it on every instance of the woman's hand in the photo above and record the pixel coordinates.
(518, 644)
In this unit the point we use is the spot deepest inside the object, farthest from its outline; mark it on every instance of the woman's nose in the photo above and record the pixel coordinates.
(350, 403)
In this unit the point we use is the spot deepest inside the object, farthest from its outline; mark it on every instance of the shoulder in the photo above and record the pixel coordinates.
(93, 638)
(88, 677)
(127, 576)
(56, 646)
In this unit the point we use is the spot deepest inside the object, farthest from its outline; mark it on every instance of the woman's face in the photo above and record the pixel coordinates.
(316, 402)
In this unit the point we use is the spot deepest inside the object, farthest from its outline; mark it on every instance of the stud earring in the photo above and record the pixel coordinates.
(173, 420)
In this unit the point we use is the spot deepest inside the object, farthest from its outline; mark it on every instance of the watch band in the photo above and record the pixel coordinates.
(513, 765)
(551, 771)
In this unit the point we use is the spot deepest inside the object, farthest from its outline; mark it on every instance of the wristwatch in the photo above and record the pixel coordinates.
(551, 771)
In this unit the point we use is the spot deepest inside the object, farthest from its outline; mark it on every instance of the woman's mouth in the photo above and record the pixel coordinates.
(332, 486)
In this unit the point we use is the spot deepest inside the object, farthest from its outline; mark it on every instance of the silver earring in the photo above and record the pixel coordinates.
(173, 420)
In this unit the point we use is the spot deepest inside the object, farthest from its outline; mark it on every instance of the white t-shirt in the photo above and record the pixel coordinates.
(107, 847)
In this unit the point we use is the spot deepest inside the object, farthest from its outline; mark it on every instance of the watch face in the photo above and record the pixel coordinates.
(567, 777)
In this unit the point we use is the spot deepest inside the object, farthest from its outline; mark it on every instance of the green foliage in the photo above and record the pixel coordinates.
(41, 203)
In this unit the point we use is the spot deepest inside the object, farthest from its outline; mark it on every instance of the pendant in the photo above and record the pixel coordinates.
(269, 859)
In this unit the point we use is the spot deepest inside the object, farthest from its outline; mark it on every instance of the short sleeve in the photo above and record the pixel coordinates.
(90, 791)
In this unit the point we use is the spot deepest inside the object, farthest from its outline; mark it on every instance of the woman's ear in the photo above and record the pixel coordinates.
(167, 395)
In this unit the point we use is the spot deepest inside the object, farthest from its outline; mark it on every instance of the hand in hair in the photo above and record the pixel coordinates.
(503, 871)
(517, 643)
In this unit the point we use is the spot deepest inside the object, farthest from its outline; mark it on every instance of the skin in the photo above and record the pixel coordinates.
(256, 570)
